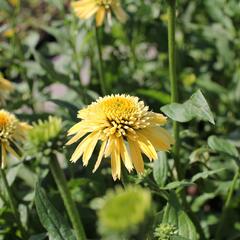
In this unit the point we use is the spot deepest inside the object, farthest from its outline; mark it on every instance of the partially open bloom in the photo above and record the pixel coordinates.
(125, 127)
(123, 210)
(6, 88)
(165, 231)
(12, 133)
(84, 9)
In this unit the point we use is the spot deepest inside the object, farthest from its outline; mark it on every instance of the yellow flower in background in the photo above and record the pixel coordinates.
(126, 129)
(14, 3)
(6, 88)
(12, 132)
(84, 9)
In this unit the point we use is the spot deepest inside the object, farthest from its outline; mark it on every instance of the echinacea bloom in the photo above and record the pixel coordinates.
(126, 129)
(6, 88)
(116, 216)
(84, 9)
(12, 133)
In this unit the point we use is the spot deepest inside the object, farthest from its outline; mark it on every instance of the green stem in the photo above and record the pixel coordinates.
(221, 224)
(13, 204)
(175, 99)
(61, 182)
(100, 59)
(173, 78)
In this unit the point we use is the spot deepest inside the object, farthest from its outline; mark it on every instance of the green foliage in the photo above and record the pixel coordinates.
(50, 218)
(174, 215)
(51, 57)
(160, 169)
(195, 107)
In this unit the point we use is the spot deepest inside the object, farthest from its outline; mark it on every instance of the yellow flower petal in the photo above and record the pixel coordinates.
(125, 155)
(100, 155)
(89, 148)
(100, 16)
(147, 147)
(82, 146)
(136, 156)
(119, 12)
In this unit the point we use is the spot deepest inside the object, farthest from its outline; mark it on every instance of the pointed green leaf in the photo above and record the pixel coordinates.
(222, 145)
(160, 169)
(195, 107)
(50, 218)
(205, 174)
(174, 215)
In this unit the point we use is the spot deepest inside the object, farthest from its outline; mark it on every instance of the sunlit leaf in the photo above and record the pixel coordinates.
(50, 218)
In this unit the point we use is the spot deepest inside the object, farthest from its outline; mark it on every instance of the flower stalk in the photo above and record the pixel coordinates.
(12, 204)
(173, 79)
(227, 205)
(61, 182)
(100, 59)
(175, 99)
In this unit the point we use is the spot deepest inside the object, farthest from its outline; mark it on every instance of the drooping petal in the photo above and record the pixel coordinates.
(159, 137)
(89, 148)
(100, 155)
(147, 147)
(116, 164)
(75, 128)
(136, 156)
(119, 12)
(82, 147)
(125, 155)
(100, 16)
(3, 157)
(110, 146)
(75, 138)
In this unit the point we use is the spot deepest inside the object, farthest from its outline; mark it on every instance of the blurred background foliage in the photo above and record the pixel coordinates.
(50, 56)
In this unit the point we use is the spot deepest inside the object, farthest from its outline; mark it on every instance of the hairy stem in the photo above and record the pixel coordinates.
(61, 182)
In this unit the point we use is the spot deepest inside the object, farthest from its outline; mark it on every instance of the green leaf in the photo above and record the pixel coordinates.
(72, 109)
(50, 218)
(155, 94)
(40, 236)
(205, 174)
(160, 169)
(47, 65)
(178, 238)
(177, 184)
(174, 215)
(222, 145)
(195, 107)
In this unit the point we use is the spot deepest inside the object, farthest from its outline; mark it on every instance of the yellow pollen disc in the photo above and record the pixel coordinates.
(104, 3)
(8, 124)
(122, 114)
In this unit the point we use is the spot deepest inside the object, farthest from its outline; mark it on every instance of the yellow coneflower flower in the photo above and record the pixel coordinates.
(126, 129)
(12, 132)
(6, 88)
(84, 9)
(14, 3)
